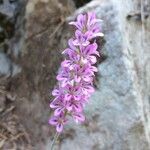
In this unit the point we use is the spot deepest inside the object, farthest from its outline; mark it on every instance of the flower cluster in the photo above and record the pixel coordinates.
(75, 77)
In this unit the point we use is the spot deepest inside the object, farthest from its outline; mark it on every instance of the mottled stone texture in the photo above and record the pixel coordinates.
(45, 31)
(40, 35)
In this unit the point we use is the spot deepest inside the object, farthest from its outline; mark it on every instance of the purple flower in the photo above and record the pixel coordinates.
(58, 121)
(74, 106)
(88, 23)
(88, 52)
(59, 105)
(87, 89)
(80, 23)
(82, 38)
(76, 74)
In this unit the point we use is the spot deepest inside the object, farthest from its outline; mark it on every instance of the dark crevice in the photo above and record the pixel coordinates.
(7, 27)
(101, 59)
(1, 2)
(80, 3)
(13, 1)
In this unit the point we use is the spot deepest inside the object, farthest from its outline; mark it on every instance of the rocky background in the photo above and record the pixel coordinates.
(32, 35)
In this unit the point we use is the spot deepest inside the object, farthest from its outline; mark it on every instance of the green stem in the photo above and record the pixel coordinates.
(54, 140)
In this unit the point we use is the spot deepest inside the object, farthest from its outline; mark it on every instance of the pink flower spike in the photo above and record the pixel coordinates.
(76, 74)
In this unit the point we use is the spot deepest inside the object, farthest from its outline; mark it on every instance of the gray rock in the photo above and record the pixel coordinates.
(8, 11)
(4, 65)
(7, 67)
(7, 8)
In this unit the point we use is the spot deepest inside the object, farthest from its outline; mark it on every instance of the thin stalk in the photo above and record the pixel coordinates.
(54, 140)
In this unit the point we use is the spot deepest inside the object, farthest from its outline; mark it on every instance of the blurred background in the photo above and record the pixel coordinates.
(33, 34)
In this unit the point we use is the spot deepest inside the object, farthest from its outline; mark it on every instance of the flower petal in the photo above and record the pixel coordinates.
(79, 117)
(78, 107)
(54, 104)
(77, 97)
(89, 88)
(69, 106)
(68, 97)
(53, 121)
(93, 59)
(93, 68)
(59, 128)
(55, 92)
(86, 78)
(98, 34)
(91, 18)
(71, 45)
(77, 79)
(58, 111)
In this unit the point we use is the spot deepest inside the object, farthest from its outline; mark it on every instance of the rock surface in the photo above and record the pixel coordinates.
(8, 14)
(39, 27)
